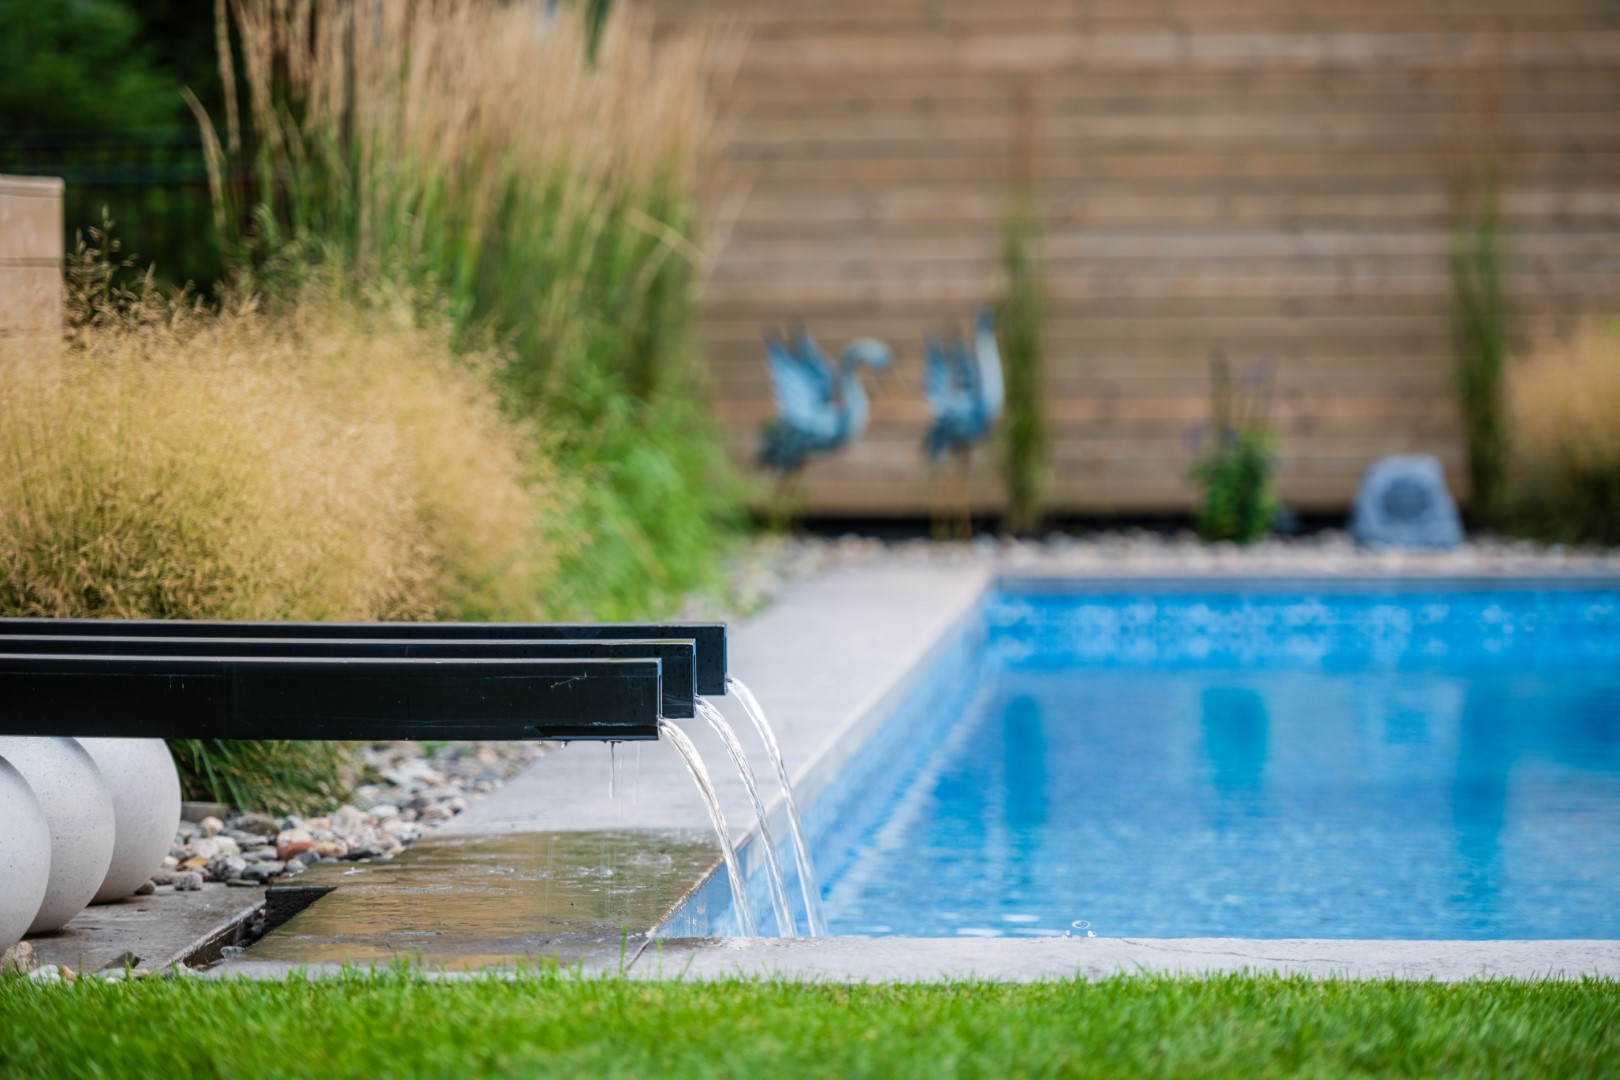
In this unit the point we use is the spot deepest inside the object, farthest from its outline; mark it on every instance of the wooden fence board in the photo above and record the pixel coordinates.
(1249, 178)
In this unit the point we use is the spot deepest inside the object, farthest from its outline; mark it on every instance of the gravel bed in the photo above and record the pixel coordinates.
(421, 787)
(769, 564)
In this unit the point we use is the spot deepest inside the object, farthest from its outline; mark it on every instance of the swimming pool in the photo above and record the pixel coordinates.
(1262, 759)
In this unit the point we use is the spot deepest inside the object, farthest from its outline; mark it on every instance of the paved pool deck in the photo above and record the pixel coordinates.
(575, 858)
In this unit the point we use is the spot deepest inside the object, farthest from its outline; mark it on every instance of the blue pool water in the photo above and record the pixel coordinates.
(1438, 764)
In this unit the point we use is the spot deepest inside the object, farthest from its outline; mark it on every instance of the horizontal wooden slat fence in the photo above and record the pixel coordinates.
(1259, 179)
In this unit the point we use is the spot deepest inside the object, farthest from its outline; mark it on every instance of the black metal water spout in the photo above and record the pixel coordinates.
(179, 697)
(709, 639)
(677, 658)
(150, 679)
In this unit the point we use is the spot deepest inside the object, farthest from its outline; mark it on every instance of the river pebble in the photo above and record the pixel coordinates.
(259, 824)
(51, 973)
(225, 867)
(19, 960)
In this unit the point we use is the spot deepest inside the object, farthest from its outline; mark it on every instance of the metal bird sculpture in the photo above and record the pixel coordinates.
(966, 392)
(965, 388)
(820, 409)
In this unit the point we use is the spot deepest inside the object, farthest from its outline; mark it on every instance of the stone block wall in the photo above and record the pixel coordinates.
(30, 259)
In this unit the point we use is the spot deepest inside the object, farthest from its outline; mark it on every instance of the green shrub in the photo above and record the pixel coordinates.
(1235, 469)
(78, 66)
(90, 91)
(1021, 325)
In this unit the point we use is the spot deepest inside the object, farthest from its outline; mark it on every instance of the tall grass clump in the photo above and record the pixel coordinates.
(271, 776)
(540, 173)
(1021, 324)
(1237, 461)
(1479, 325)
(1564, 401)
(331, 461)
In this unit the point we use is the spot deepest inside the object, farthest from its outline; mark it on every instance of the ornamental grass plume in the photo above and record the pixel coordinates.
(538, 167)
(332, 462)
(1025, 461)
(1564, 399)
(406, 132)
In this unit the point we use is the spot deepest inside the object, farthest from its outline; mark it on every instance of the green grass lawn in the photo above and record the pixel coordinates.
(400, 1024)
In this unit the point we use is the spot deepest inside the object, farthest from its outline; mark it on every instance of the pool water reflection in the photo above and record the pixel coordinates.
(1262, 795)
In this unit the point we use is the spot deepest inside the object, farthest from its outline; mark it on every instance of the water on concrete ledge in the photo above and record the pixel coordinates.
(464, 902)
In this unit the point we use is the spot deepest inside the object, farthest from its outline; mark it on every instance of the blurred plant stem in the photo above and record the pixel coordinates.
(1479, 328)
(1021, 323)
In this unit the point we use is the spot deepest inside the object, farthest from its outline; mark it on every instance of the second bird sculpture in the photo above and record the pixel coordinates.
(819, 408)
(966, 392)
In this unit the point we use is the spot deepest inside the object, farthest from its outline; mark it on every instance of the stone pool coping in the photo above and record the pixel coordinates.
(1039, 959)
(1023, 960)
(829, 660)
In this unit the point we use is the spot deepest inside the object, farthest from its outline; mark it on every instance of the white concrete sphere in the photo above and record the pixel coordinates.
(145, 791)
(79, 811)
(25, 855)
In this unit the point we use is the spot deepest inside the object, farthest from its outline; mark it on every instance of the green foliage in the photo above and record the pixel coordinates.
(1236, 469)
(1568, 506)
(1479, 327)
(596, 13)
(275, 777)
(607, 365)
(91, 92)
(1021, 324)
(551, 1023)
(78, 66)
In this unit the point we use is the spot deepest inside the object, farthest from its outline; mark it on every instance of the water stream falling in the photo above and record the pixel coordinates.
(809, 884)
(700, 776)
(773, 869)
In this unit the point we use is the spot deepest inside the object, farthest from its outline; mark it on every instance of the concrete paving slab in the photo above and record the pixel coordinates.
(1029, 960)
(161, 929)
